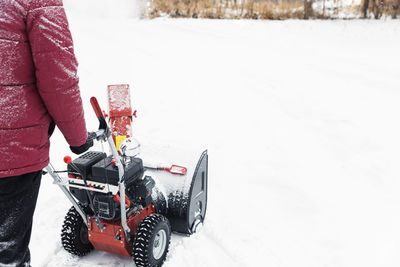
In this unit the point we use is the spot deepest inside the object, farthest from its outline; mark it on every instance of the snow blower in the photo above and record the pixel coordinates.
(123, 205)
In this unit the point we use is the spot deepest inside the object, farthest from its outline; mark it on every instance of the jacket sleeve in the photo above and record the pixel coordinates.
(56, 67)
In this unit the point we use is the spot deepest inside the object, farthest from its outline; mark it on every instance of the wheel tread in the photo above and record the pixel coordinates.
(70, 234)
(143, 237)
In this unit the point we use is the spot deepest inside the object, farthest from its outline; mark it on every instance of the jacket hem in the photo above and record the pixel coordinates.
(24, 170)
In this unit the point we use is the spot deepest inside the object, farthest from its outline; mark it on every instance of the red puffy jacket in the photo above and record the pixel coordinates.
(38, 84)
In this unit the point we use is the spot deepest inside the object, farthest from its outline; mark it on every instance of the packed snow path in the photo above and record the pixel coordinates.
(301, 119)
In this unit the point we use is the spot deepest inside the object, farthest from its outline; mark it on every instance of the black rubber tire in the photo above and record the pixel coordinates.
(177, 211)
(159, 201)
(143, 242)
(74, 234)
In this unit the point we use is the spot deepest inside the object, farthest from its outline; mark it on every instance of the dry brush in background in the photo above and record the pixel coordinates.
(272, 9)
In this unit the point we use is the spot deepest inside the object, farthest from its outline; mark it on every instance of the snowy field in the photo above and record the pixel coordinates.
(302, 123)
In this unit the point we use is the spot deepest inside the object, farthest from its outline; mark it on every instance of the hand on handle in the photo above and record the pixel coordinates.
(83, 148)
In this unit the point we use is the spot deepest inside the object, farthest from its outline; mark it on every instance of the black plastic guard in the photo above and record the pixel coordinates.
(187, 209)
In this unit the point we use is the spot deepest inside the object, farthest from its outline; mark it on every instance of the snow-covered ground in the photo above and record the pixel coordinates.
(301, 119)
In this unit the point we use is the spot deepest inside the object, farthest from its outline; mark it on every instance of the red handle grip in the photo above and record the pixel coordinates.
(96, 107)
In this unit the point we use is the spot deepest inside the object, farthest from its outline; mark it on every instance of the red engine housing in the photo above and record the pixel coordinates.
(112, 238)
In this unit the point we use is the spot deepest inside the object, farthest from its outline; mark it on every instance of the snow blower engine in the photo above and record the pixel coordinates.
(122, 205)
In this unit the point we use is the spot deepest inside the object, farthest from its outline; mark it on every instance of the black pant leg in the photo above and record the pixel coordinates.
(18, 196)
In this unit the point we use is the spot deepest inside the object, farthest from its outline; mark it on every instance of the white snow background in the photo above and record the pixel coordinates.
(301, 120)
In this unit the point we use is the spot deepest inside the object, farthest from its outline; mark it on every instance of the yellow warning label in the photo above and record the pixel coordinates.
(118, 140)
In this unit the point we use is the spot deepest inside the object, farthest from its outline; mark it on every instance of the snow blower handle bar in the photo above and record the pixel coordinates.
(100, 117)
(96, 107)
(103, 134)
